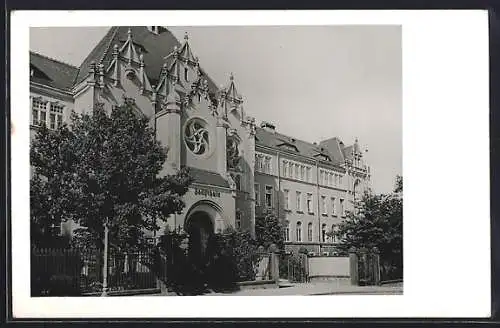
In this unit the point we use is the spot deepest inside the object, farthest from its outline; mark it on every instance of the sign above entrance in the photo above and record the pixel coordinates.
(206, 192)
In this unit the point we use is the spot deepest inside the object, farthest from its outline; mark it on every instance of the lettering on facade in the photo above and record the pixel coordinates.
(206, 192)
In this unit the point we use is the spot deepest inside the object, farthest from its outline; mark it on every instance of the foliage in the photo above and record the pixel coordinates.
(377, 221)
(398, 188)
(268, 230)
(105, 167)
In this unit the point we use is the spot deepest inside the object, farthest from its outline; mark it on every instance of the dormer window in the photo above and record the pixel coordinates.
(154, 29)
(288, 146)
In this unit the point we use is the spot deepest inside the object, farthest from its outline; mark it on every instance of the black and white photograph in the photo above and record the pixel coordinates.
(277, 174)
(242, 158)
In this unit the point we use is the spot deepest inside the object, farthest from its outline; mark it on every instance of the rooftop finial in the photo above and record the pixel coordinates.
(186, 36)
(356, 140)
(129, 32)
(231, 76)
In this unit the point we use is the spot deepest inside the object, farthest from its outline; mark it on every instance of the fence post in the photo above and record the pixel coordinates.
(275, 275)
(376, 265)
(353, 263)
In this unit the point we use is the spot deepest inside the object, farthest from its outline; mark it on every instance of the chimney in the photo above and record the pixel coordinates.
(268, 126)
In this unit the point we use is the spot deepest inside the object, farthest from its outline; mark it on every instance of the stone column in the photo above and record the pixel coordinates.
(168, 132)
(275, 272)
(221, 135)
(353, 263)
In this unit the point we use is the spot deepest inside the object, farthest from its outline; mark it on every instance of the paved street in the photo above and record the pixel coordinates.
(317, 288)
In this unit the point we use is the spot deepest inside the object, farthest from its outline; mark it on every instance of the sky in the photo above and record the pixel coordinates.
(312, 82)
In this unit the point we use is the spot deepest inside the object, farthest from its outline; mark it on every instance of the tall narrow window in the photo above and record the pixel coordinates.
(309, 203)
(39, 111)
(323, 205)
(186, 74)
(297, 171)
(257, 194)
(267, 167)
(333, 205)
(309, 175)
(342, 207)
(56, 113)
(323, 232)
(302, 172)
(285, 168)
(334, 230)
(286, 196)
(290, 169)
(287, 231)
(238, 220)
(321, 174)
(298, 231)
(310, 232)
(269, 196)
(299, 200)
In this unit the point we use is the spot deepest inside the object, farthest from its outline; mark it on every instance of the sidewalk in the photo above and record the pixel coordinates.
(318, 288)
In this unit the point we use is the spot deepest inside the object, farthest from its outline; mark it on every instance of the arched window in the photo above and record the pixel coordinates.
(323, 232)
(298, 231)
(287, 231)
(310, 232)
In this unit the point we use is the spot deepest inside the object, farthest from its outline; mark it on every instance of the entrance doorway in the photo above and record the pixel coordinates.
(200, 230)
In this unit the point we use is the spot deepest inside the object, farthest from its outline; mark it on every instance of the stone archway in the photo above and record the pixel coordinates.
(201, 224)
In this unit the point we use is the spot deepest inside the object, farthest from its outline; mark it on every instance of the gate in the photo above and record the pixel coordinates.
(293, 267)
(368, 267)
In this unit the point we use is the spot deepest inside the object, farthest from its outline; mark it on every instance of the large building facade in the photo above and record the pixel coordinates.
(240, 170)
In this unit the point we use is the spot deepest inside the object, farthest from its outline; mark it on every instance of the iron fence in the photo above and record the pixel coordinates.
(72, 272)
(293, 267)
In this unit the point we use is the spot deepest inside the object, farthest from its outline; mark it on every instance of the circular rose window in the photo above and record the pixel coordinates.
(196, 136)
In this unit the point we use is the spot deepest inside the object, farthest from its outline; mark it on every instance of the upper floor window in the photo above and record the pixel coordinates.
(341, 207)
(263, 163)
(269, 196)
(286, 196)
(39, 111)
(333, 205)
(257, 193)
(285, 168)
(323, 204)
(310, 203)
(309, 231)
(299, 200)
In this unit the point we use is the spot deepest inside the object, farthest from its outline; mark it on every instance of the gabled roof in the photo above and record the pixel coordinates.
(54, 73)
(156, 48)
(208, 177)
(275, 140)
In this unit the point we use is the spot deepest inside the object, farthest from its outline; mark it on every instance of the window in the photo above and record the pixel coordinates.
(257, 194)
(309, 203)
(269, 196)
(56, 112)
(323, 232)
(309, 175)
(286, 196)
(196, 136)
(38, 111)
(334, 238)
(297, 171)
(186, 74)
(285, 168)
(299, 201)
(323, 204)
(342, 207)
(340, 179)
(298, 231)
(238, 220)
(333, 205)
(310, 232)
(302, 172)
(321, 174)
(267, 167)
(287, 231)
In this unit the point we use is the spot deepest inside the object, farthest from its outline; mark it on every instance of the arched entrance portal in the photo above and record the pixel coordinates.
(200, 230)
(202, 220)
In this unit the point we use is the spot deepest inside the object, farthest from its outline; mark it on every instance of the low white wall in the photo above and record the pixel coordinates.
(329, 267)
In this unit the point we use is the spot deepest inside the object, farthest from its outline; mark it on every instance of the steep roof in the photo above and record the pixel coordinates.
(156, 48)
(208, 177)
(54, 73)
(277, 141)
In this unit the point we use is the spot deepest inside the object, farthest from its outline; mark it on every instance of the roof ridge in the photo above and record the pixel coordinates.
(109, 43)
(53, 59)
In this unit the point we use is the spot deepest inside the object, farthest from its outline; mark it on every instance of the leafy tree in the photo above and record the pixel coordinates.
(268, 230)
(377, 221)
(104, 168)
